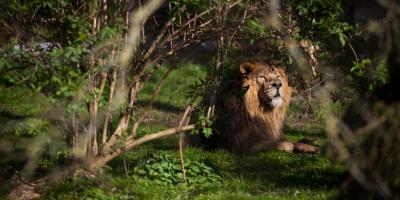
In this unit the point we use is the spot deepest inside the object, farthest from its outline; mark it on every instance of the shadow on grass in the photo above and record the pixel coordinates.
(298, 133)
(161, 106)
(270, 169)
(290, 170)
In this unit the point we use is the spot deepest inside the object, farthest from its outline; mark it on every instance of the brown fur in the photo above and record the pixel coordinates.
(255, 124)
(250, 112)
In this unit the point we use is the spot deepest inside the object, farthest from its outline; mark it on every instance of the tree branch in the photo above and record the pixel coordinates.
(101, 161)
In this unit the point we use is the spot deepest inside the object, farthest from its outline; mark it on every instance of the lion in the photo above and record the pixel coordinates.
(251, 114)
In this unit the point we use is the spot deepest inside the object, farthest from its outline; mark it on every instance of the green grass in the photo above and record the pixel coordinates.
(175, 89)
(265, 175)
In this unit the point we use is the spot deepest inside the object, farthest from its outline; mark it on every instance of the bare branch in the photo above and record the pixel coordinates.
(122, 125)
(132, 143)
(129, 144)
(158, 39)
(181, 137)
(137, 20)
(352, 50)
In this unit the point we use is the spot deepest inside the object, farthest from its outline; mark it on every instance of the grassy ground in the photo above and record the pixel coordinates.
(266, 175)
(216, 174)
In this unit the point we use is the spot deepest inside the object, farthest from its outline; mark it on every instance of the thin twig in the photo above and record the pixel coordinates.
(156, 42)
(354, 52)
(138, 19)
(75, 130)
(181, 134)
(125, 167)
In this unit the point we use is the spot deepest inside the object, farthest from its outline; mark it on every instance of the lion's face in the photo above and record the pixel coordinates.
(270, 81)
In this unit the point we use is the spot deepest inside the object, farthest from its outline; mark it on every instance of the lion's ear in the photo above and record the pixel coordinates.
(281, 71)
(247, 68)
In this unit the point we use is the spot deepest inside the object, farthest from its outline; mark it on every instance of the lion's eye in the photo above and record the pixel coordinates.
(278, 76)
(261, 79)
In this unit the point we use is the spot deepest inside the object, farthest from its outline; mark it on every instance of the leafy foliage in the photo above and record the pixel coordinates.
(166, 170)
(364, 71)
(55, 72)
(203, 123)
(31, 127)
(322, 19)
(256, 29)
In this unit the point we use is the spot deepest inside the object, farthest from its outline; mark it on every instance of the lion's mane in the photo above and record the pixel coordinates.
(250, 123)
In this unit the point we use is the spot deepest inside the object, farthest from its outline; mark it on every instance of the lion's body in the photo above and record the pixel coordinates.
(253, 123)
(249, 123)
(250, 112)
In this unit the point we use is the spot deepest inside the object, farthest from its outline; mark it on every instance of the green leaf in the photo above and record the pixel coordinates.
(342, 38)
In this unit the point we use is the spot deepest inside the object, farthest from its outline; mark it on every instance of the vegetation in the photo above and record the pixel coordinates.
(95, 97)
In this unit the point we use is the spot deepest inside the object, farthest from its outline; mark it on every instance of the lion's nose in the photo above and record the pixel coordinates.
(277, 85)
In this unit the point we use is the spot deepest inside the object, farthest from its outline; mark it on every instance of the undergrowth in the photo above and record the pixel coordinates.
(151, 173)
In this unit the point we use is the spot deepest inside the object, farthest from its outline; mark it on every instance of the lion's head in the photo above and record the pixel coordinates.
(270, 82)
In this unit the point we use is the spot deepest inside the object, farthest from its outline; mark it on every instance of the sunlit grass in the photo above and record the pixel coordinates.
(176, 87)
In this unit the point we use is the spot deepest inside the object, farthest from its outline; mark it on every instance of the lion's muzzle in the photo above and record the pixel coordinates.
(274, 93)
